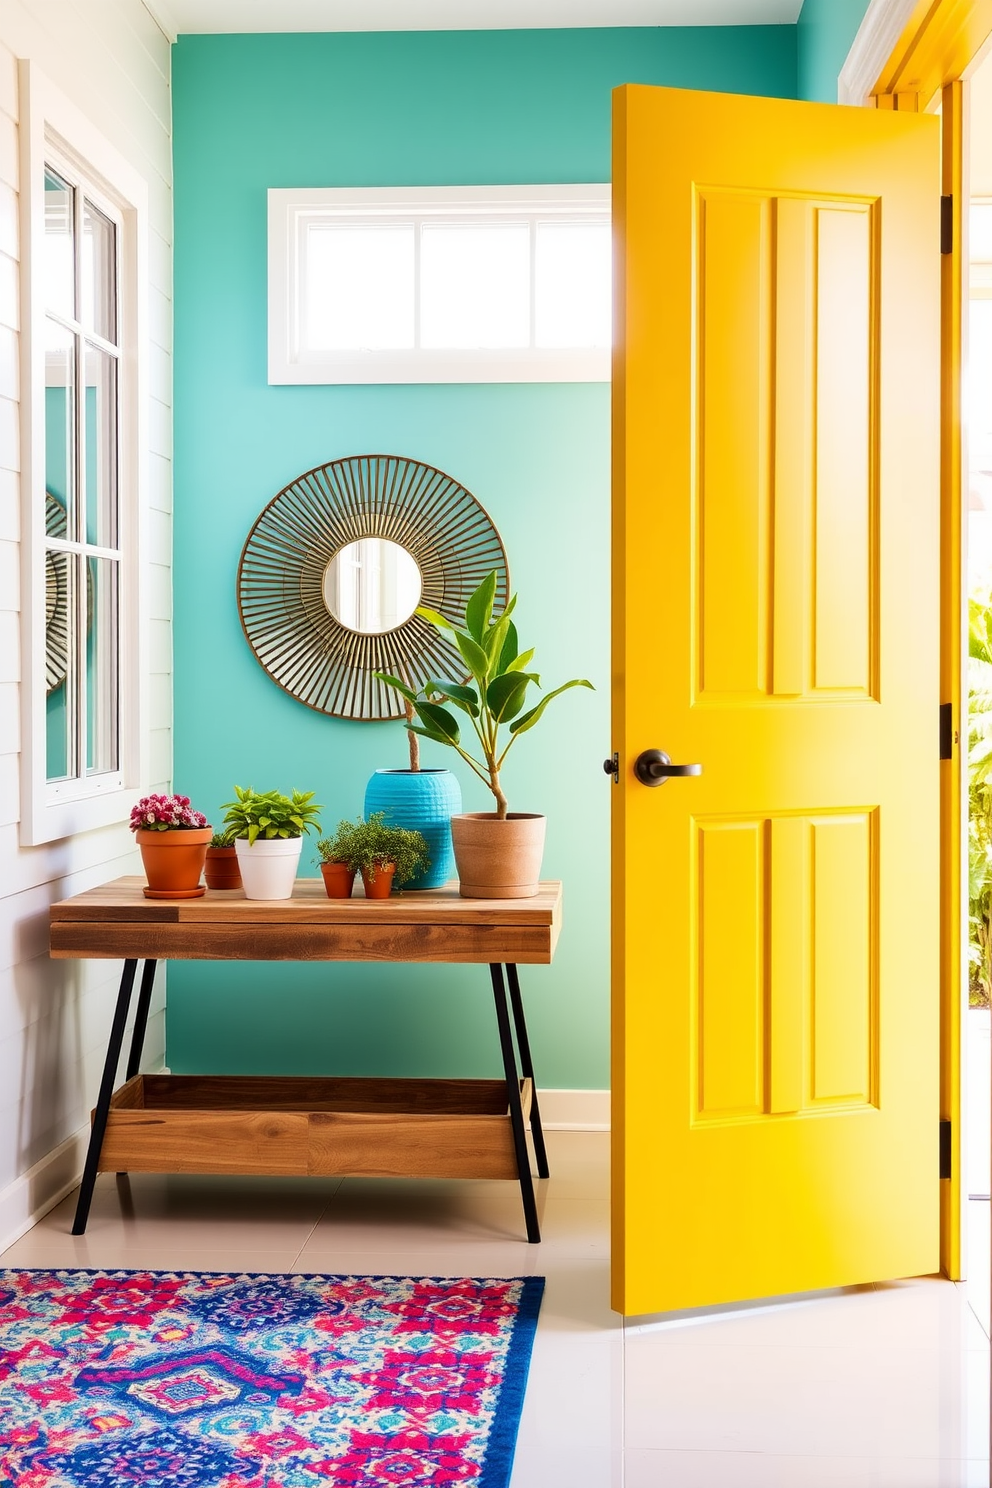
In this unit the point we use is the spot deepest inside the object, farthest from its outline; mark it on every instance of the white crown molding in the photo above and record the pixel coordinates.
(883, 24)
(224, 16)
(161, 14)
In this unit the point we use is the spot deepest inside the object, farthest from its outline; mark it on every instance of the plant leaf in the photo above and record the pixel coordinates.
(479, 609)
(519, 662)
(466, 697)
(509, 652)
(440, 719)
(395, 683)
(473, 656)
(430, 734)
(493, 642)
(434, 617)
(505, 694)
(529, 719)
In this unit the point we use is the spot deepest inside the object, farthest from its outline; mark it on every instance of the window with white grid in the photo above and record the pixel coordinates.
(431, 284)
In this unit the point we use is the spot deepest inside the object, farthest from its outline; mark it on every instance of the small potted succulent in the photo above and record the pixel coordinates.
(221, 867)
(499, 852)
(267, 828)
(383, 855)
(172, 838)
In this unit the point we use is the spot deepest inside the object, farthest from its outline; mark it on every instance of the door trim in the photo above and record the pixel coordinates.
(939, 44)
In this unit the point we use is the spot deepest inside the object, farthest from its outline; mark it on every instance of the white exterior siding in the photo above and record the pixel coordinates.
(112, 62)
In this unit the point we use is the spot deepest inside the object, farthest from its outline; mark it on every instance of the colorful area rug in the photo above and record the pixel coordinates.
(113, 1379)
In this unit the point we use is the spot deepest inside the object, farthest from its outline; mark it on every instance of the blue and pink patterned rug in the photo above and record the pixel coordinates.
(158, 1379)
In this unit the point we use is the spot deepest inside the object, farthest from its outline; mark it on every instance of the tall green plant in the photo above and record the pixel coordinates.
(980, 800)
(494, 697)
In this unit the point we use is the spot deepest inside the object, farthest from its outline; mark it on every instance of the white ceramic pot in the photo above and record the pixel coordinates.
(498, 859)
(268, 866)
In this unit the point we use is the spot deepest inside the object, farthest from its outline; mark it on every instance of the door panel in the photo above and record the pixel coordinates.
(775, 591)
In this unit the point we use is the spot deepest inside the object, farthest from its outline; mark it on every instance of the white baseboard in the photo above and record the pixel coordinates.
(28, 1198)
(575, 1110)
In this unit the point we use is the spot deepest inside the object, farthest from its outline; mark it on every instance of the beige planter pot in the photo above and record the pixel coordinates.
(498, 859)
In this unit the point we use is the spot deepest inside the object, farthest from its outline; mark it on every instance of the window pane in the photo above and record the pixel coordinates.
(359, 288)
(60, 279)
(573, 284)
(99, 273)
(101, 665)
(60, 631)
(101, 448)
(475, 286)
(60, 420)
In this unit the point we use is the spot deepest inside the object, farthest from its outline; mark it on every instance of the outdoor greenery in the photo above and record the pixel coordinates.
(269, 815)
(980, 801)
(363, 846)
(498, 669)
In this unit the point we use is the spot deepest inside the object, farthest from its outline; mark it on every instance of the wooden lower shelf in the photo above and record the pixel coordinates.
(304, 1126)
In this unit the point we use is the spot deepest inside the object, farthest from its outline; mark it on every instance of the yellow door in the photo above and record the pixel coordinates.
(776, 550)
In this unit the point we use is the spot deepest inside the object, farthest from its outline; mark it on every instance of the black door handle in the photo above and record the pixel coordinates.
(654, 767)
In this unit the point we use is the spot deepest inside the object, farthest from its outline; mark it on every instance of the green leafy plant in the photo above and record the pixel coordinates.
(252, 815)
(493, 698)
(980, 801)
(223, 839)
(363, 846)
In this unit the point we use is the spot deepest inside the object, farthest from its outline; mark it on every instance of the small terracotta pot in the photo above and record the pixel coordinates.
(173, 861)
(382, 885)
(338, 879)
(498, 859)
(221, 868)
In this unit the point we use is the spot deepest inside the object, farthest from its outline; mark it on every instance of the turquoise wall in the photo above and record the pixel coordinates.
(397, 109)
(824, 34)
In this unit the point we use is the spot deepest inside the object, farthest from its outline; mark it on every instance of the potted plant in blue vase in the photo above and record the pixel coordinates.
(421, 801)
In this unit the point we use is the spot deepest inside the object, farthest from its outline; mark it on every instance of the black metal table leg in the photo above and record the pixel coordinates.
(516, 1109)
(527, 1070)
(103, 1099)
(141, 1018)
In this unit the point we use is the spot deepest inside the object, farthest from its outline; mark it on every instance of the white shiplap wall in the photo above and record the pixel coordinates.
(112, 61)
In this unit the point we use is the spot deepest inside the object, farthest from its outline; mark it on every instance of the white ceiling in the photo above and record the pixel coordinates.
(176, 16)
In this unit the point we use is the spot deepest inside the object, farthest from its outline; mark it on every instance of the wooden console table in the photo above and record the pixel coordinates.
(313, 1125)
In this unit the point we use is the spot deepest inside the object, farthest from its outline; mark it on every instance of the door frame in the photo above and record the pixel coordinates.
(930, 49)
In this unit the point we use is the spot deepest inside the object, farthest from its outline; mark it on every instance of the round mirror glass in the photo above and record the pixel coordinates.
(372, 585)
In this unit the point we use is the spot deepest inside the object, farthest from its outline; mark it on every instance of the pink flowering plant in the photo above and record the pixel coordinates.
(165, 814)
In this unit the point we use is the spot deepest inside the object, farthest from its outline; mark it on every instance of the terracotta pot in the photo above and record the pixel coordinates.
(221, 868)
(382, 885)
(338, 879)
(498, 859)
(173, 861)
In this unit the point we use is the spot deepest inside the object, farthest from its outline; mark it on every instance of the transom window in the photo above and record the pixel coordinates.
(80, 270)
(457, 284)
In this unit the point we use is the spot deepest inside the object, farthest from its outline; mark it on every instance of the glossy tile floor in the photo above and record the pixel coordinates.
(874, 1387)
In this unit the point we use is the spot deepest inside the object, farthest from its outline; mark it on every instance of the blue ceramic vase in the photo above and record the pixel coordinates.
(422, 801)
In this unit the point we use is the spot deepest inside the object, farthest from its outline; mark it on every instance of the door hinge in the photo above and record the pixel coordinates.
(948, 735)
(946, 224)
(945, 1149)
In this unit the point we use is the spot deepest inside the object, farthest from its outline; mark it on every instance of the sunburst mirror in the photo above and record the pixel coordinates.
(56, 598)
(335, 567)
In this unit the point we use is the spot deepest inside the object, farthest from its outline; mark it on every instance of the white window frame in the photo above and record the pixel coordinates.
(54, 131)
(291, 213)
